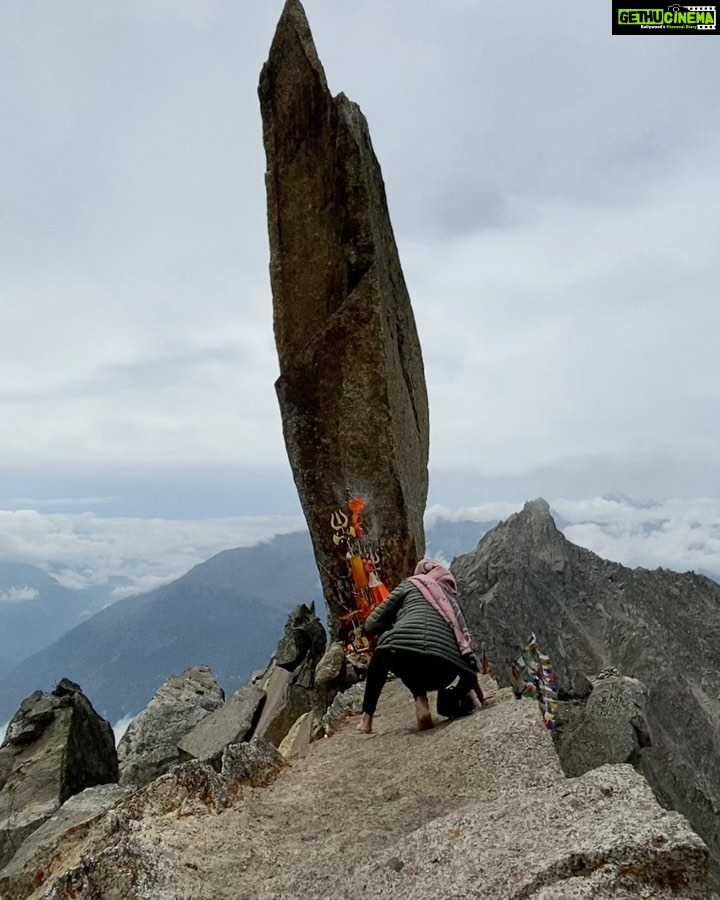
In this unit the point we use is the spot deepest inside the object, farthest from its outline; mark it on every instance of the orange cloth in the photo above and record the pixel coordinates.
(357, 570)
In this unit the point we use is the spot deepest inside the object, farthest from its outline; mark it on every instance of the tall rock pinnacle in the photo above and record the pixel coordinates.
(351, 387)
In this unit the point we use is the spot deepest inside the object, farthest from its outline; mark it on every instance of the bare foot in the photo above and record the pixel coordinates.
(422, 713)
(476, 701)
(365, 724)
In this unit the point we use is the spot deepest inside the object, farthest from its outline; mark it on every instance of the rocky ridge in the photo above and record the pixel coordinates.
(437, 814)
(474, 808)
(660, 627)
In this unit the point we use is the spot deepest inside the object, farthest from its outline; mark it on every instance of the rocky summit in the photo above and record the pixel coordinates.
(478, 807)
(660, 627)
(352, 387)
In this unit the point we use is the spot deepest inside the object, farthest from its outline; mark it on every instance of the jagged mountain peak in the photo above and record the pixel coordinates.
(525, 536)
(537, 507)
(536, 519)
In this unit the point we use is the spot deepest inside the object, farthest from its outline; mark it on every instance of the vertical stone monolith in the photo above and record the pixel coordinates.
(351, 387)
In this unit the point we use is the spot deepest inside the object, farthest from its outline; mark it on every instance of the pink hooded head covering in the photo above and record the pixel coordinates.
(438, 586)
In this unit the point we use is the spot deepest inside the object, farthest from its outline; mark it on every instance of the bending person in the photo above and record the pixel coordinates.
(424, 641)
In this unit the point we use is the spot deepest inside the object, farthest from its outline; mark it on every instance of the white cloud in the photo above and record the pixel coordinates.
(83, 502)
(85, 549)
(682, 535)
(141, 554)
(19, 594)
(120, 727)
(485, 512)
(586, 328)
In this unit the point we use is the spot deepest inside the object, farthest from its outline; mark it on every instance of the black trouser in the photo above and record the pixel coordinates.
(419, 672)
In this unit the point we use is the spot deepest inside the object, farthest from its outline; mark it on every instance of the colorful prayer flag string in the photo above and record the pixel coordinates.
(532, 674)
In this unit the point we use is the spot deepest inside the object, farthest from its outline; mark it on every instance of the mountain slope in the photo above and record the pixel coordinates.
(227, 612)
(659, 626)
(35, 610)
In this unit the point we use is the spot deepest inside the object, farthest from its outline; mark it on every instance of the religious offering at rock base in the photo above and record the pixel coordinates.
(359, 585)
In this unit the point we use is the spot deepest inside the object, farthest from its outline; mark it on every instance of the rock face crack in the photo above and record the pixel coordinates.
(352, 387)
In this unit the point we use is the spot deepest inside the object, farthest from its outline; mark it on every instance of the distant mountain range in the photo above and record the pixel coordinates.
(228, 612)
(446, 539)
(35, 610)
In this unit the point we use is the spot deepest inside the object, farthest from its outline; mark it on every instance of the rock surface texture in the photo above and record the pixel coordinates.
(330, 676)
(229, 724)
(300, 736)
(256, 763)
(75, 815)
(352, 387)
(149, 746)
(476, 808)
(303, 642)
(609, 727)
(660, 627)
(289, 683)
(56, 745)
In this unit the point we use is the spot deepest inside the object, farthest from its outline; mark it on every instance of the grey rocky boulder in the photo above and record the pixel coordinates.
(330, 676)
(300, 736)
(118, 855)
(189, 788)
(609, 727)
(124, 856)
(56, 745)
(304, 637)
(290, 688)
(347, 703)
(149, 747)
(71, 821)
(228, 724)
(255, 763)
(286, 701)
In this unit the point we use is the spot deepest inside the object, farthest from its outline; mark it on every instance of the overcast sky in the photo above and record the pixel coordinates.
(554, 191)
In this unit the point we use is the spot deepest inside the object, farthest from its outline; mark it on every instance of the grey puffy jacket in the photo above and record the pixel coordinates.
(407, 621)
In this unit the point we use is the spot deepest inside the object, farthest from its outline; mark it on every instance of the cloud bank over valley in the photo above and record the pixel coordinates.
(135, 555)
(85, 550)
